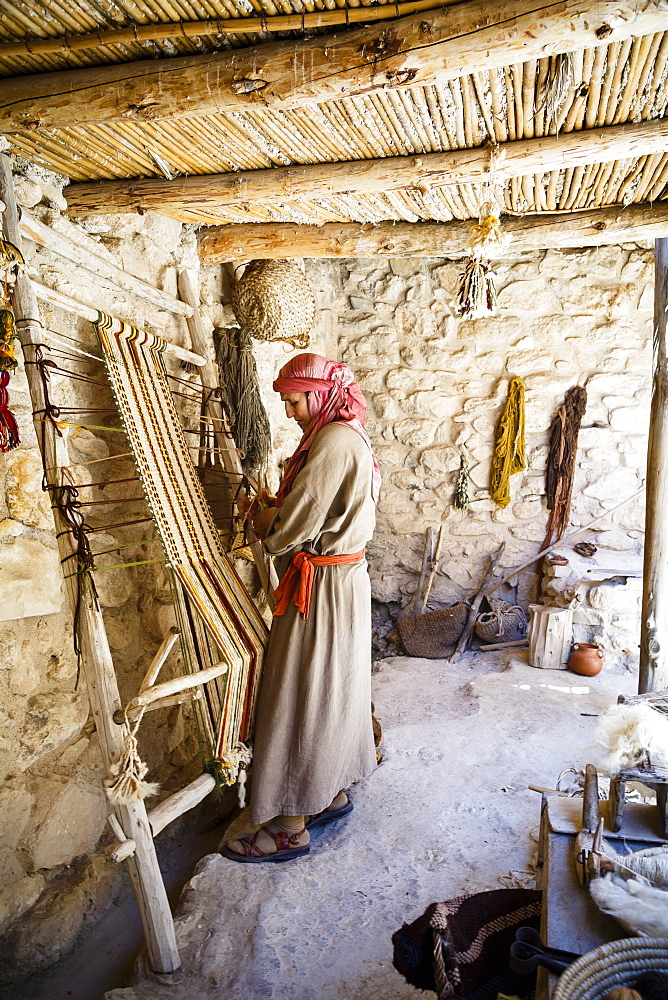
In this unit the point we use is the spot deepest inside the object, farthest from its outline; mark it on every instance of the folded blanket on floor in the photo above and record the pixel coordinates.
(460, 948)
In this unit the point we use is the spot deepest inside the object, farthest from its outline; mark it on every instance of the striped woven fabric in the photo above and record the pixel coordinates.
(194, 553)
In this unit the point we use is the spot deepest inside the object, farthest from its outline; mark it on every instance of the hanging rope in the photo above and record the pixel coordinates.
(564, 432)
(509, 450)
(126, 782)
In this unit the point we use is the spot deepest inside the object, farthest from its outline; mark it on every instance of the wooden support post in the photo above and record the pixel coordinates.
(159, 658)
(654, 625)
(96, 658)
(183, 698)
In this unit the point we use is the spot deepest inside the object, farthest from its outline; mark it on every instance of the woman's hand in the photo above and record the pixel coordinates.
(262, 521)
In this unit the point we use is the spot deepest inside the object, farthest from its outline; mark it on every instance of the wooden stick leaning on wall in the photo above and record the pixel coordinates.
(89, 257)
(476, 602)
(96, 657)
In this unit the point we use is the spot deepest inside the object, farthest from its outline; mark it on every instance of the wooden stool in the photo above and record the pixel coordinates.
(649, 774)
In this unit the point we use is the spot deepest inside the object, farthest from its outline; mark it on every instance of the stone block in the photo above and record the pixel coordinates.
(28, 192)
(613, 485)
(26, 501)
(608, 597)
(15, 805)
(67, 821)
(530, 531)
(31, 581)
(18, 896)
(533, 297)
(525, 509)
(629, 418)
(412, 320)
(114, 586)
(415, 431)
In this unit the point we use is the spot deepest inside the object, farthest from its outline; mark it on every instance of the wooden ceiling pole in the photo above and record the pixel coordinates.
(359, 177)
(96, 659)
(654, 621)
(431, 239)
(425, 48)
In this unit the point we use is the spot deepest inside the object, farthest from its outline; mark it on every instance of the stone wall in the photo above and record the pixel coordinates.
(436, 385)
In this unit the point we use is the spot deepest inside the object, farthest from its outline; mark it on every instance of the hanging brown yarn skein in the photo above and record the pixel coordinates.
(564, 432)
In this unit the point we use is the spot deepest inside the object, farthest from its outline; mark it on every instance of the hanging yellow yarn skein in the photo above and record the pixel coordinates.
(509, 452)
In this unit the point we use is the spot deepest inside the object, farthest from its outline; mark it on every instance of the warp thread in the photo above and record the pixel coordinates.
(9, 431)
(561, 462)
(240, 390)
(126, 782)
(509, 454)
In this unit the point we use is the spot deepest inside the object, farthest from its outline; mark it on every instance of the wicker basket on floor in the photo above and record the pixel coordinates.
(435, 634)
(504, 623)
(618, 963)
(273, 300)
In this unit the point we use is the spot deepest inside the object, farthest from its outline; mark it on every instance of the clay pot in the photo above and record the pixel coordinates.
(586, 659)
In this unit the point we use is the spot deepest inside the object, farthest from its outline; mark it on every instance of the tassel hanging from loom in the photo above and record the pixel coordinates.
(232, 766)
(477, 292)
(9, 432)
(126, 782)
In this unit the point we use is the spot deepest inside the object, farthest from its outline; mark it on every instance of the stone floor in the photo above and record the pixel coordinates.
(447, 811)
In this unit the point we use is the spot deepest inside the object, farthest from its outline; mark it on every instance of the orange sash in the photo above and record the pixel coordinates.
(297, 581)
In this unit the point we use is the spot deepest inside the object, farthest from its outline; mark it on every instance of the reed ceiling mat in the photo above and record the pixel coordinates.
(609, 85)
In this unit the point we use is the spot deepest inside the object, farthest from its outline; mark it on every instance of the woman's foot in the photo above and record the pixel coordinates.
(269, 844)
(340, 806)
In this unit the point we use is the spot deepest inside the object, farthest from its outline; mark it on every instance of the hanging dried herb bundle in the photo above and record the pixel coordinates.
(477, 294)
(462, 490)
(241, 397)
(560, 470)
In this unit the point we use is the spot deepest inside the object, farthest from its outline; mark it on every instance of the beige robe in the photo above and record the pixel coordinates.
(313, 732)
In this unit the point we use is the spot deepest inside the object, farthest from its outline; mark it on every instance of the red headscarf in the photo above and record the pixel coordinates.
(333, 396)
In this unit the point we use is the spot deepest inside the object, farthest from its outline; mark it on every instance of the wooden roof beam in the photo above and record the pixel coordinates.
(431, 239)
(360, 177)
(424, 48)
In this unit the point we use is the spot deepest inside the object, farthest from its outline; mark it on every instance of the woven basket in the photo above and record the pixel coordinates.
(273, 301)
(504, 623)
(435, 634)
(616, 964)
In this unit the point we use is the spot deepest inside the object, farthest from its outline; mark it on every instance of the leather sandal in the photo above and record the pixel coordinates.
(287, 848)
(329, 815)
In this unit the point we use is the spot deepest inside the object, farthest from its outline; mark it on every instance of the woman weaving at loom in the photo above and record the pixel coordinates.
(313, 732)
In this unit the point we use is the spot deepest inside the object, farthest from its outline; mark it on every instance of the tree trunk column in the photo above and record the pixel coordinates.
(654, 628)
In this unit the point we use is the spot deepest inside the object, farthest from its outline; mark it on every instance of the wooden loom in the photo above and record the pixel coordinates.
(233, 641)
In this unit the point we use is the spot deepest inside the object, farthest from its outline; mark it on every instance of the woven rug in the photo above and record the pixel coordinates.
(191, 543)
(460, 948)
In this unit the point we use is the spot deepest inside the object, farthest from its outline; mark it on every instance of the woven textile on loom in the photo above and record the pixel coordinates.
(194, 553)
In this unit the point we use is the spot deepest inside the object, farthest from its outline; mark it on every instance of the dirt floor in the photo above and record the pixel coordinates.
(447, 811)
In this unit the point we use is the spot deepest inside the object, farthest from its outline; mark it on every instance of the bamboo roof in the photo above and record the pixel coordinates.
(609, 85)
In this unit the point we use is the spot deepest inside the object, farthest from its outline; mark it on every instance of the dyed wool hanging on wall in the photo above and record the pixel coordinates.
(194, 553)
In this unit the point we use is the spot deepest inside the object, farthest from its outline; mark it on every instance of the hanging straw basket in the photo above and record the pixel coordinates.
(618, 963)
(273, 301)
(435, 634)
